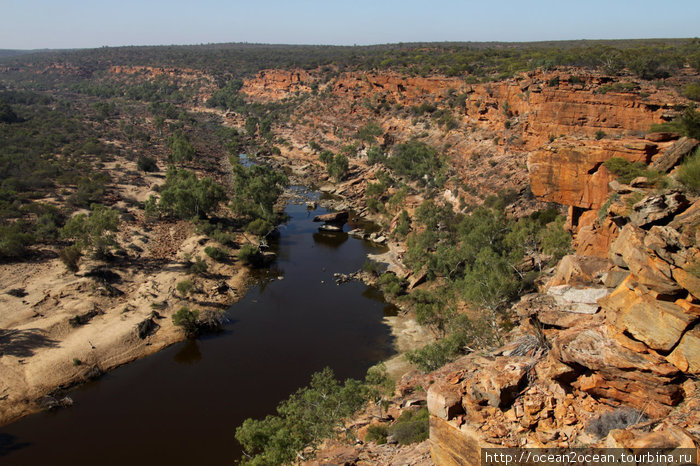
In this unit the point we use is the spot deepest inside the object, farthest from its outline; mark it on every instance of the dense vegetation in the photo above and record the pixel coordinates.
(649, 59)
(308, 416)
(483, 258)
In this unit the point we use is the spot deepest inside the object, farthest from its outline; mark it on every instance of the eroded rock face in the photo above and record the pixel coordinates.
(636, 352)
(573, 174)
(686, 356)
(629, 251)
(674, 154)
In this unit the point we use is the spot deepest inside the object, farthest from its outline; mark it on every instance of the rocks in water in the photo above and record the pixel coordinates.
(358, 233)
(341, 278)
(377, 238)
(330, 227)
(334, 217)
(311, 205)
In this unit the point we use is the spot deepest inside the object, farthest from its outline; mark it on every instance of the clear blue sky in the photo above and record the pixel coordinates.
(29, 24)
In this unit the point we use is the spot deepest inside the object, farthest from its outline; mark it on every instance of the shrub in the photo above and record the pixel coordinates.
(305, 418)
(411, 427)
(626, 171)
(249, 254)
(555, 240)
(198, 267)
(377, 433)
(147, 164)
(185, 196)
(13, 241)
(692, 91)
(187, 319)
(375, 155)
(180, 148)
(92, 231)
(259, 227)
(391, 284)
(415, 160)
(185, 287)
(372, 267)
(687, 124)
(257, 188)
(70, 256)
(689, 172)
(600, 134)
(218, 254)
(621, 418)
(338, 168)
(434, 355)
(326, 156)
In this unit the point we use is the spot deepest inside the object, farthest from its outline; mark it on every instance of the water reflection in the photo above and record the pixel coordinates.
(330, 239)
(189, 353)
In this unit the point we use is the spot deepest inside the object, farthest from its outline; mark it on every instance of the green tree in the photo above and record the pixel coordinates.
(338, 168)
(188, 320)
(415, 160)
(93, 231)
(251, 125)
(369, 132)
(257, 188)
(185, 196)
(311, 414)
(14, 241)
(180, 148)
(7, 115)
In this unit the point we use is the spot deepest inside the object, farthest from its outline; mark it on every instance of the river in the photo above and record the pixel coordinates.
(182, 405)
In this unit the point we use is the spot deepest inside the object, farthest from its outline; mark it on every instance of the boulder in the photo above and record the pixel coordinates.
(577, 300)
(330, 227)
(674, 154)
(613, 277)
(628, 251)
(578, 270)
(642, 380)
(499, 383)
(452, 446)
(686, 356)
(658, 208)
(688, 281)
(445, 400)
(662, 136)
(659, 324)
(334, 217)
(595, 240)
(666, 437)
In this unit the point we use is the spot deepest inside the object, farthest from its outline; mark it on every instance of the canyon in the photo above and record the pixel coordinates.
(613, 325)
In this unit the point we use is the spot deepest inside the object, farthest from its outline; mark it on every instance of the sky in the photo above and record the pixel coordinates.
(33, 24)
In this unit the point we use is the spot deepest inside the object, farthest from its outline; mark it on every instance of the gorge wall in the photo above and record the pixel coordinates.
(617, 325)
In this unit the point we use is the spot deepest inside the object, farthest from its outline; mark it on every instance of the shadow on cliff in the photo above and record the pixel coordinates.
(23, 343)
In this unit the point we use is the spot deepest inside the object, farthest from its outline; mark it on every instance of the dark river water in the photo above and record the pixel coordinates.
(182, 405)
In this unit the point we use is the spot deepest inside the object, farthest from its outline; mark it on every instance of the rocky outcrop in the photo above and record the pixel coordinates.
(572, 172)
(561, 373)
